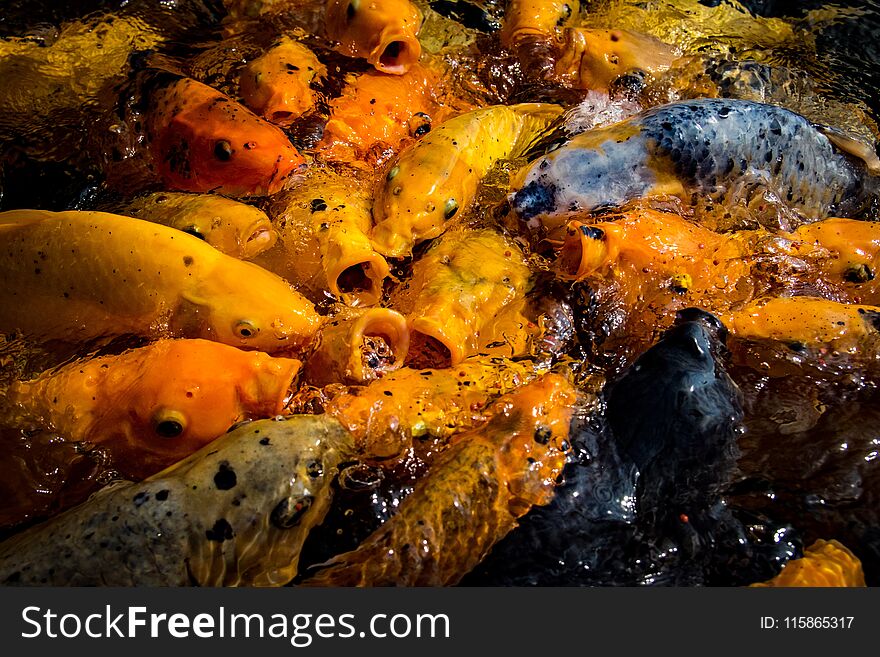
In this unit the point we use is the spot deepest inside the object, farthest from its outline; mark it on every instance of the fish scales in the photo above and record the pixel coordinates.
(234, 513)
(726, 150)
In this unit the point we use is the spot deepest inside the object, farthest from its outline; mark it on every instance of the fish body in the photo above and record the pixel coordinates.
(234, 513)
(472, 496)
(202, 141)
(386, 415)
(384, 32)
(728, 151)
(277, 85)
(825, 563)
(154, 405)
(438, 176)
(235, 228)
(75, 276)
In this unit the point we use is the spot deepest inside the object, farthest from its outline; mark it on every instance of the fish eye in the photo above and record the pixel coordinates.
(195, 232)
(450, 208)
(168, 423)
(419, 124)
(288, 512)
(393, 173)
(223, 150)
(245, 329)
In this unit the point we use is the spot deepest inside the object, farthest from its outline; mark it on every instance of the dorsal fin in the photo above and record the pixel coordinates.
(851, 146)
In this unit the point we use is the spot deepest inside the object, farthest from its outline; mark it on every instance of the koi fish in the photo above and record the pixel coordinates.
(324, 223)
(437, 177)
(73, 276)
(235, 513)
(377, 113)
(277, 85)
(358, 346)
(386, 415)
(728, 151)
(152, 406)
(203, 141)
(807, 323)
(471, 498)
(825, 563)
(593, 59)
(535, 20)
(384, 32)
(235, 228)
(458, 291)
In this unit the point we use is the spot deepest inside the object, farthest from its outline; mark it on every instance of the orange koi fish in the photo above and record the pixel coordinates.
(387, 414)
(825, 563)
(152, 406)
(277, 85)
(376, 114)
(385, 32)
(202, 140)
(592, 59)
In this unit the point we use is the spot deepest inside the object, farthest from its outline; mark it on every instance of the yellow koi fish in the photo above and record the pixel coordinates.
(75, 276)
(237, 229)
(438, 176)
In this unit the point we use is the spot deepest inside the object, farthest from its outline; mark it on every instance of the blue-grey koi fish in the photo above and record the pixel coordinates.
(722, 153)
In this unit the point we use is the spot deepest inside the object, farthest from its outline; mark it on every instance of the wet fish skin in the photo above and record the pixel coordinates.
(234, 513)
(726, 150)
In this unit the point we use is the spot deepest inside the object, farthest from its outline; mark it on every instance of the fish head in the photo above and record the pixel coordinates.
(202, 140)
(234, 228)
(256, 493)
(186, 393)
(249, 307)
(277, 84)
(420, 194)
(385, 33)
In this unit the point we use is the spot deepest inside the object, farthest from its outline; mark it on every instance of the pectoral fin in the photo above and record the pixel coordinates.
(851, 146)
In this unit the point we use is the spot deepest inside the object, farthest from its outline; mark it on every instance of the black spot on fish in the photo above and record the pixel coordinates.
(534, 199)
(593, 232)
(314, 469)
(264, 441)
(872, 317)
(188, 260)
(317, 205)
(225, 478)
(221, 531)
(542, 435)
(162, 495)
(140, 498)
